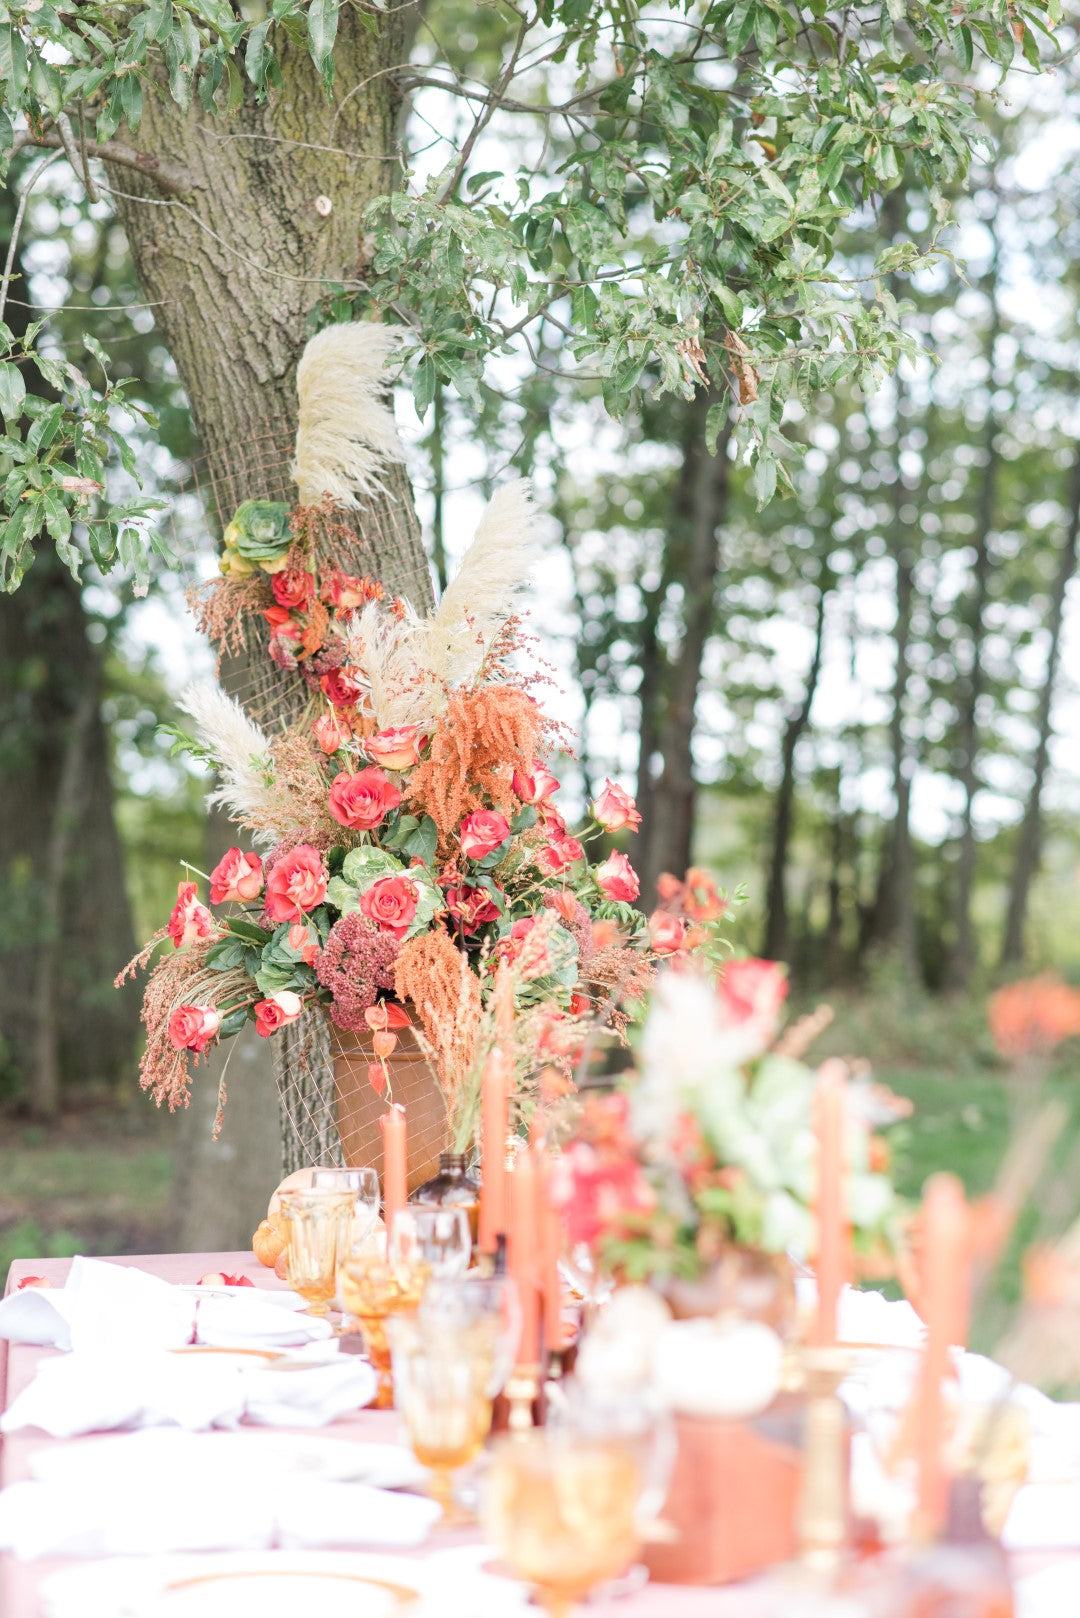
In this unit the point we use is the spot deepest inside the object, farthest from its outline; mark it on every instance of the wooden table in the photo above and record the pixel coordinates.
(19, 1581)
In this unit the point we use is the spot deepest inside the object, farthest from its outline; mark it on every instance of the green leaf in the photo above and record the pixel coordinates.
(133, 557)
(714, 421)
(764, 478)
(249, 930)
(322, 27)
(422, 842)
(233, 1021)
(423, 388)
(12, 391)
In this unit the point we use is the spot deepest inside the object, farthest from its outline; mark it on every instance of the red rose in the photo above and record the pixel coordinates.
(391, 904)
(617, 879)
(191, 1028)
(472, 907)
(236, 876)
(296, 883)
(360, 801)
(615, 808)
(190, 919)
(330, 733)
(752, 992)
(343, 687)
(293, 587)
(481, 832)
(667, 934)
(276, 1011)
(536, 787)
(395, 749)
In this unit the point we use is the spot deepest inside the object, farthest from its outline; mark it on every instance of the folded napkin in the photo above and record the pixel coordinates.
(102, 1304)
(95, 1391)
(193, 1512)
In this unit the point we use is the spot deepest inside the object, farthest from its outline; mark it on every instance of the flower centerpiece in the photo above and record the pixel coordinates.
(708, 1145)
(404, 836)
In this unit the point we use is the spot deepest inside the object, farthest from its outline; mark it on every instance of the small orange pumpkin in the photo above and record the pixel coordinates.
(268, 1242)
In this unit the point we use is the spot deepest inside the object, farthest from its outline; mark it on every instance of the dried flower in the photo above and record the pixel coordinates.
(356, 962)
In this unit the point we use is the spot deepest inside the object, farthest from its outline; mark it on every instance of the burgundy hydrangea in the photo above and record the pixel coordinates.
(354, 964)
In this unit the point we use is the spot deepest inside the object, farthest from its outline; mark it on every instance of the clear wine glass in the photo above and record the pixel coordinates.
(439, 1237)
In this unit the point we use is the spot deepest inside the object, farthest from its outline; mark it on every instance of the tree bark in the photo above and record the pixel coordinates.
(701, 504)
(777, 929)
(67, 921)
(961, 960)
(1029, 843)
(273, 214)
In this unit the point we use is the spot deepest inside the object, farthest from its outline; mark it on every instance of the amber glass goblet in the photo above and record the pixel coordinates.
(371, 1291)
(318, 1228)
(561, 1508)
(441, 1389)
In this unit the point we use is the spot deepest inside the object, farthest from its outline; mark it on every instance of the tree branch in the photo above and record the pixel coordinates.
(168, 177)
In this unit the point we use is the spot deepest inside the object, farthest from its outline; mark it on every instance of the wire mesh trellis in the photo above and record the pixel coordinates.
(329, 1110)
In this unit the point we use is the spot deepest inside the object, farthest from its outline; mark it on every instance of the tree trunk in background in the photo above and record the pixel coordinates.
(67, 922)
(961, 960)
(1029, 843)
(650, 694)
(701, 503)
(235, 272)
(777, 929)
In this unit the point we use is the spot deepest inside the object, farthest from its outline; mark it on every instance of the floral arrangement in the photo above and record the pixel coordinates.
(710, 1140)
(405, 836)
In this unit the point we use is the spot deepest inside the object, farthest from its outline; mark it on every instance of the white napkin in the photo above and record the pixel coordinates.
(104, 1304)
(94, 1391)
(195, 1512)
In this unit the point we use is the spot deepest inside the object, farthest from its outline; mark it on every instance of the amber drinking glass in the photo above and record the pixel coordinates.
(318, 1227)
(561, 1509)
(371, 1291)
(441, 1389)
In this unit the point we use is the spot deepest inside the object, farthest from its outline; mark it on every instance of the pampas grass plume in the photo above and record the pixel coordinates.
(346, 432)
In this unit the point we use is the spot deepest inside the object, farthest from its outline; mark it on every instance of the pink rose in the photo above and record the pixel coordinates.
(572, 849)
(360, 801)
(343, 687)
(191, 1028)
(190, 919)
(347, 590)
(330, 733)
(481, 832)
(276, 1011)
(667, 934)
(293, 587)
(472, 907)
(536, 787)
(750, 995)
(391, 904)
(615, 808)
(303, 941)
(296, 883)
(617, 879)
(395, 749)
(551, 859)
(236, 876)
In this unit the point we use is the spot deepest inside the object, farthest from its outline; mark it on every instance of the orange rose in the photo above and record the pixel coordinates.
(395, 749)
(360, 801)
(236, 876)
(391, 904)
(296, 883)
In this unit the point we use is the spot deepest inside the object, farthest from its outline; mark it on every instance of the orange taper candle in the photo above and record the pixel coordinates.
(833, 1234)
(494, 1122)
(395, 1161)
(504, 1007)
(523, 1253)
(551, 1245)
(946, 1266)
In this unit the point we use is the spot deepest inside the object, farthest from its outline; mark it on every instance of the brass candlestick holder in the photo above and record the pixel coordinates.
(521, 1392)
(822, 1515)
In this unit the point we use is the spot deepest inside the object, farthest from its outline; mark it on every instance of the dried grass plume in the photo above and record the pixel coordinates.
(346, 432)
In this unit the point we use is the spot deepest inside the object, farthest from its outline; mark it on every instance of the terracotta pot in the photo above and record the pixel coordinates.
(744, 1281)
(731, 1508)
(359, 1107)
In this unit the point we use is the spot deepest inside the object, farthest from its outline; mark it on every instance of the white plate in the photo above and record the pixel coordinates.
(86, 1462)
(283, 1296)
(271, 1584)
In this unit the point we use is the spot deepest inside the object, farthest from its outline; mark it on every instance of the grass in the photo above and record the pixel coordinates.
(94, 1184)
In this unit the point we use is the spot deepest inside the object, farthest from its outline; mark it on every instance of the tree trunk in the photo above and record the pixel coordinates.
(67, 921)
(961, 961)
(777, 930)
(701, 502)
(274, 213)
(1029, 843)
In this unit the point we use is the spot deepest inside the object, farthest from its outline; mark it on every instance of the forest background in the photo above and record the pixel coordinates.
(856, 702)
